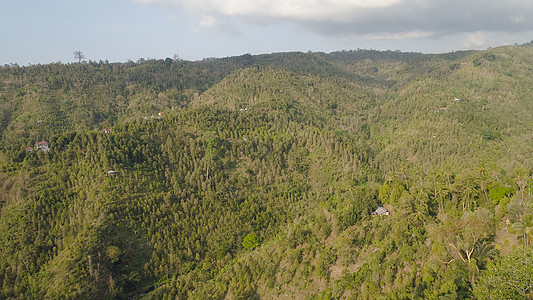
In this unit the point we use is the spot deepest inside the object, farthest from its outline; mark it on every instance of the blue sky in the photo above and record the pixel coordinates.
(119, 30)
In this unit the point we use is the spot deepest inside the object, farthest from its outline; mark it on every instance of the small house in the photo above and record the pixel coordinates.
(43, 145)
(107, 130)
(111, 172)
(381, 211)
(29, 149)
(456, 99)
(160, 113)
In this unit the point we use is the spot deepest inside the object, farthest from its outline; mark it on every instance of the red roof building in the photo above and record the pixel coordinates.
(43, 145)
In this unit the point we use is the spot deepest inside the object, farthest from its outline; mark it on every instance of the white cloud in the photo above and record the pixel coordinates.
(308, 10)
(208, 22)
(399, 35)
(476, 40)
(368, 19)
(518, 19)
(240, 7)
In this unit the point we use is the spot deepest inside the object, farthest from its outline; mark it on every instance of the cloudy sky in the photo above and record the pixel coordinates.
(37, 31)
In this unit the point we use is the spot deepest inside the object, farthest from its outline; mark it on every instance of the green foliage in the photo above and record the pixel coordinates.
(509, 278)
(250, 241)
(497, 192)
(490, 134)
(384, 193)
(113, 253)
(295, 148)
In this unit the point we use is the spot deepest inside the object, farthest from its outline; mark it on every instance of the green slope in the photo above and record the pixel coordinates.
(261, 177)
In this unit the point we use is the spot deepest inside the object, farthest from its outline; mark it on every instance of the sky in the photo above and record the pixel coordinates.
(39, 32)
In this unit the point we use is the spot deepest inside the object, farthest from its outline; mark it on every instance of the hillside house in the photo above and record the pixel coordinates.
(43, 145)
(111, 172)
(381, 211)
(107, 130)
(29, 149)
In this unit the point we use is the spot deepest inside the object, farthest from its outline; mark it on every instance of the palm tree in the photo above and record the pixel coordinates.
(441, 192)
(468, 194)
(525, 228)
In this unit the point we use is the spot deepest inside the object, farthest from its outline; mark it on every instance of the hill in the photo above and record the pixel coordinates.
(261, 177)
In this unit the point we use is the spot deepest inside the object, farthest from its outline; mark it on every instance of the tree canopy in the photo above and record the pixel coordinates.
(259, 177)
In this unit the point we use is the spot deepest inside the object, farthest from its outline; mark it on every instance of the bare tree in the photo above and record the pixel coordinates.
(176, 56)
(78, 55)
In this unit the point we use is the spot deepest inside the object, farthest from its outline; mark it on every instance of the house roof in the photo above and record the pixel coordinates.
(381, 211)
(43, 142)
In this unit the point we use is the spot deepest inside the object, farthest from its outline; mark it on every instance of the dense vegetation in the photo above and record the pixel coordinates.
(261, 176)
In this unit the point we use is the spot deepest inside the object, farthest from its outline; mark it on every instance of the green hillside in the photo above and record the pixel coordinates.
(261, 177)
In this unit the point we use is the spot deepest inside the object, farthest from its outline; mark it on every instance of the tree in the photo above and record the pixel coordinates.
(472, 229)
(520, 214)
(467, 239)
(250, 241)
(212, 152)
(113, 253)
(78, 55)
(525, 228)
(511, 278)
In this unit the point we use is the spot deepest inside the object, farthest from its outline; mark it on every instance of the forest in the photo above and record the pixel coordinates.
(357, 174)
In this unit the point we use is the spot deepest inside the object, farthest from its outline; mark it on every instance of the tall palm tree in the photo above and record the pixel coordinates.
(525, 228)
